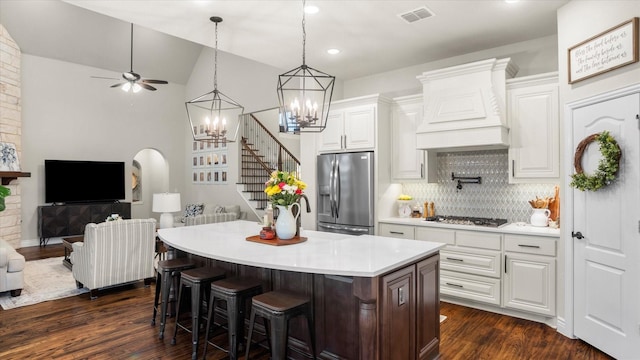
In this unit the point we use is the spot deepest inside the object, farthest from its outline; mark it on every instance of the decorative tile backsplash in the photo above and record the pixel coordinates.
(493, 198)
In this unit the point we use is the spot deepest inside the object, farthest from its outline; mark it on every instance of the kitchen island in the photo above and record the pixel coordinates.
(374, 297)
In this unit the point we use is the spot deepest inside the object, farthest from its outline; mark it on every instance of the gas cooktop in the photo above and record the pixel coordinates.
(467, 220)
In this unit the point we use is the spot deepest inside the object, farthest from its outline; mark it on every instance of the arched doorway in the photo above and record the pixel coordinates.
(149, 174)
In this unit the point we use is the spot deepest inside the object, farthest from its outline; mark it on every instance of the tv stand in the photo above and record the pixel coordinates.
(70, 219)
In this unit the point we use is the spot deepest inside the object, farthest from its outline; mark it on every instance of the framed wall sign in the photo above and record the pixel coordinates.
(604, 52)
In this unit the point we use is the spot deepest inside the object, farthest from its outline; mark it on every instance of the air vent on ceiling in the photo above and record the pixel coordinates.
(417, 14)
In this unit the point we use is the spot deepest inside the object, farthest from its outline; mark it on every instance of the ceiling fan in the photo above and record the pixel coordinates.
(134, 82)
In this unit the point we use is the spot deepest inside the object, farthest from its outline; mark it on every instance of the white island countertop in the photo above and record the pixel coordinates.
(322, 253)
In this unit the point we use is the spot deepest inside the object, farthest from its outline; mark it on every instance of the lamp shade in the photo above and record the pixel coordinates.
(166, 202)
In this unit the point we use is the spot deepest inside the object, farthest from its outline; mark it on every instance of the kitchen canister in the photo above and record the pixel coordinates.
(540, 217)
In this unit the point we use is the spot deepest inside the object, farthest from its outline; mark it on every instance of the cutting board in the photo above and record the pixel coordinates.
(277, 241)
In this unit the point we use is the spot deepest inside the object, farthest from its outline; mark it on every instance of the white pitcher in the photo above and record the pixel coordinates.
(540, 217)
(286, 222)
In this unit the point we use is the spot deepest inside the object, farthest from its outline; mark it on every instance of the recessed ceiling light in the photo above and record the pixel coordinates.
(511, 1)
(311, 9)
(333, 51)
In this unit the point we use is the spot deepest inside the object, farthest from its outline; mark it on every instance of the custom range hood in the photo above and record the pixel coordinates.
(464, 107)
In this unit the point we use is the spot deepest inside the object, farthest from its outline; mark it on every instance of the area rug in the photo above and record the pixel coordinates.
(44, 280)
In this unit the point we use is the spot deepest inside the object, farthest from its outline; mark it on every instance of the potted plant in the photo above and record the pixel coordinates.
(4, 192)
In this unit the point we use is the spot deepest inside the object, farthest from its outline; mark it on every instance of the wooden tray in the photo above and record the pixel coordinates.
(277, 241)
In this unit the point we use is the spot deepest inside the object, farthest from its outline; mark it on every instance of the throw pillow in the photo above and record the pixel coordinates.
(232, 209)
(218, 210)
(193, 210)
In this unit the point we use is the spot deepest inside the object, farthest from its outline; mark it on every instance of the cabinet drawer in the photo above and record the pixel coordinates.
(477, 239)
(437, 235)
(472, 261)
(530, 244)
(477, 288)
(397, 231)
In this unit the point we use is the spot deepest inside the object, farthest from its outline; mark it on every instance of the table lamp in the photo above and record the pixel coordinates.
(166, 203)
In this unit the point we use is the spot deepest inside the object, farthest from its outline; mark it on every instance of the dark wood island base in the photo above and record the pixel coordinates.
(392, 316)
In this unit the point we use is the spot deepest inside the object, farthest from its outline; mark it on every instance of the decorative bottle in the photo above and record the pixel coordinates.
(269, 214)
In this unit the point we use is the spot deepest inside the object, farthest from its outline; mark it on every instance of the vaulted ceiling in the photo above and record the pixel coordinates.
(371, 34)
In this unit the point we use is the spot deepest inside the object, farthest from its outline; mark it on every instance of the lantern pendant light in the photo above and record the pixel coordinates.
(209, 113)
(304, 95)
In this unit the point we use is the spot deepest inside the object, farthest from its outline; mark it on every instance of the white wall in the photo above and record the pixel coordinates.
(66, 114)
(532, 57)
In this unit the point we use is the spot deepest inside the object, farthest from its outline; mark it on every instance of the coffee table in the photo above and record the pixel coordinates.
(68, 249)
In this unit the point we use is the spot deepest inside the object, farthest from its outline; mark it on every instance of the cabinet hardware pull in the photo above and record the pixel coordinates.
(422, 170)
(455, 285)
(401, 300)
(513, 168)
(455, 259)
(396, 232)
(577, 235)
(505, 263)
(529, 246)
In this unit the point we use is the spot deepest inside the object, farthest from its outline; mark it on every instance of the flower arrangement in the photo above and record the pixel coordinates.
(284, 188)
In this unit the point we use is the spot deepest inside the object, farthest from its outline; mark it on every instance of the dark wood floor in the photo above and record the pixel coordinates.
(117, 326)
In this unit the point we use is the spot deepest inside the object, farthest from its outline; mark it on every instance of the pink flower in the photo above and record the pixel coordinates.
(298, 191)
(281, 185)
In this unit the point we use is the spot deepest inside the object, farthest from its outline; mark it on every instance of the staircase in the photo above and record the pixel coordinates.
(261, 154)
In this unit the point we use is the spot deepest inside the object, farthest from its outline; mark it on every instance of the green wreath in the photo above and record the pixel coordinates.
(607, 167)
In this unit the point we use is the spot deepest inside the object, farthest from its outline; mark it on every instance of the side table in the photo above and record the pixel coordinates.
(68, 249)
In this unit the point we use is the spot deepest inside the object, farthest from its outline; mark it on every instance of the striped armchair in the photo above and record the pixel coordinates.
(114, 253)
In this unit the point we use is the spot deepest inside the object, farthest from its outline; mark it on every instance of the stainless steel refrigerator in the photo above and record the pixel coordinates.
(345, 193)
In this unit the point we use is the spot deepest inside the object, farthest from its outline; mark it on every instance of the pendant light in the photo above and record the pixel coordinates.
(304, 94)
(210, 113)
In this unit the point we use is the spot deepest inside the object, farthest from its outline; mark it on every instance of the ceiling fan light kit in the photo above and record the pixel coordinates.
(304, 95)
(133, 81)
(209, 113)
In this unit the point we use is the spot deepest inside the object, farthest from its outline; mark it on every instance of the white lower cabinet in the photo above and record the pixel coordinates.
(471, 268)
(507, 271)
(477, 288)
(397, 231)
(530, 274)
(472, 261)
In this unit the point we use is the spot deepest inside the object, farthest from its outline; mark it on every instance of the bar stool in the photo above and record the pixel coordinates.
(168, 270)
(279, 307)
(235, 292)
(197, 279)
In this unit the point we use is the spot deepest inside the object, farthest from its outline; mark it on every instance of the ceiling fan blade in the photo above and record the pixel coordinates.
(102, 77)
(148, 87)
(152, 81)
(116, 85)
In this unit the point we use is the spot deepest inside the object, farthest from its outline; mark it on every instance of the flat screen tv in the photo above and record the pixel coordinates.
(73, 181)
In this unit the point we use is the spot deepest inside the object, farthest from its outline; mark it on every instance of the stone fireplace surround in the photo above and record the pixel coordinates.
(10, 131)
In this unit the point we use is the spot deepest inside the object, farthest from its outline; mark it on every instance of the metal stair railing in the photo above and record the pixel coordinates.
(262, 153)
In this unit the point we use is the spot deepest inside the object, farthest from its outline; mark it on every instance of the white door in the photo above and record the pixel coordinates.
(607, 258)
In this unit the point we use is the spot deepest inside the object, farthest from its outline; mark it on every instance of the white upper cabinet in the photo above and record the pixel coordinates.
(407, 162)
(532, 109)
(351, 125)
